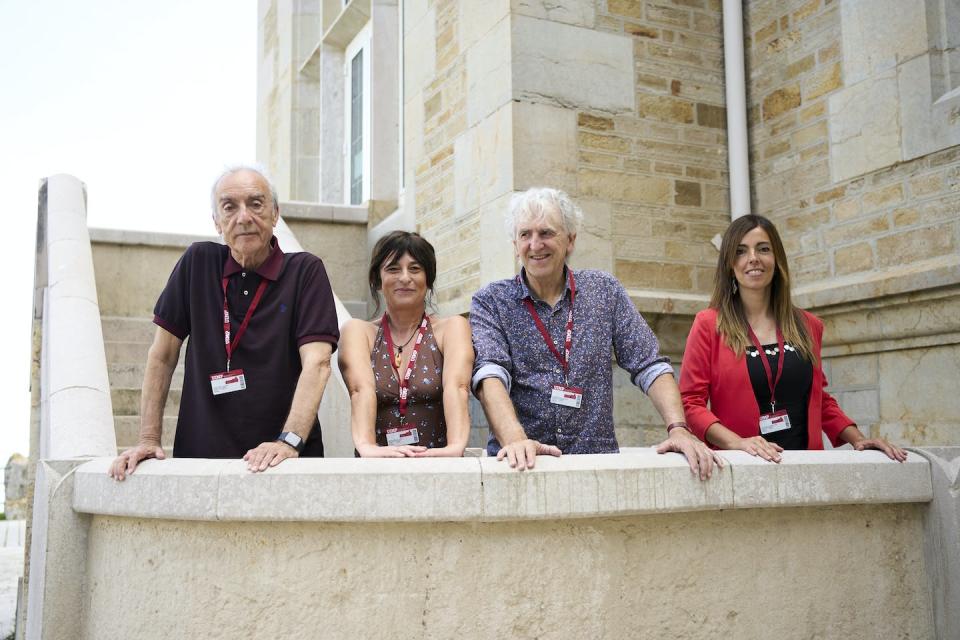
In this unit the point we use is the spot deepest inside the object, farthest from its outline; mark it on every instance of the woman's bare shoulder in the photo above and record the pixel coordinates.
(355, 327)
(449, 325)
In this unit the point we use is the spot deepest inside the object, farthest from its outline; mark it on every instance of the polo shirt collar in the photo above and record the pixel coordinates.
(522, 290)
(270, 269)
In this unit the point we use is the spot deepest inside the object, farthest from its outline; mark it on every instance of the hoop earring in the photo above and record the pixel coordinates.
(734, 281)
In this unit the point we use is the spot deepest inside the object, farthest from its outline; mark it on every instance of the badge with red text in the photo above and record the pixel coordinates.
(228, 382)
(400, 436)
(566, 396)
(773, 422)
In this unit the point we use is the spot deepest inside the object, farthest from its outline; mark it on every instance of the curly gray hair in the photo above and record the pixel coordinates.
(533, 203)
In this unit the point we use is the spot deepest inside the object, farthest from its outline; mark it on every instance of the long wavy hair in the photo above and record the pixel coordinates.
(731, 318)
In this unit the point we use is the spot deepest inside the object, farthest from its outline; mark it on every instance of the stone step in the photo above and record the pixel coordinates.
(126, 402)
(130, 376)
(127, 329)
(128, 430)
(120, 352)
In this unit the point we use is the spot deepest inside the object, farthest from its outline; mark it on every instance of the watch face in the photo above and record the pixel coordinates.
(291, 439)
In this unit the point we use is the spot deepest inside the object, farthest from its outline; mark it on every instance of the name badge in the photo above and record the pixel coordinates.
(228, 382)
(566, 396)
(773, 422)
(398, 436)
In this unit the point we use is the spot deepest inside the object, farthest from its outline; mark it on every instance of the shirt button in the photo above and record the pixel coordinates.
(245, 292)
(243, 274)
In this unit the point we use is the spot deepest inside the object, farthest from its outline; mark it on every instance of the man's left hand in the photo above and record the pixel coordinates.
(269, 454)
(699, 456)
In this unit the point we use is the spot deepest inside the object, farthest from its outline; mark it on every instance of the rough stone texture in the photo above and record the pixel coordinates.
(15, 488)
(131, 276)
(942, 538)
(622, 560)
(548, 55)
(864, 222)
(625, 567)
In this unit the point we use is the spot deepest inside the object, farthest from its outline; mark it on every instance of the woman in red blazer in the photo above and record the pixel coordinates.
(755, 358)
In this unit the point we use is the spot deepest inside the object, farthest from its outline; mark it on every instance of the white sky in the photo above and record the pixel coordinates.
(145, 102)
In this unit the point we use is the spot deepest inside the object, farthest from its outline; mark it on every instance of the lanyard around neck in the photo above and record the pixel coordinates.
(404, 380)
(781, 356)
(232, 346)
(563, 359)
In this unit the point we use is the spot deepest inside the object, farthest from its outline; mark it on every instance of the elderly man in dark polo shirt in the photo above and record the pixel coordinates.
(262, 327)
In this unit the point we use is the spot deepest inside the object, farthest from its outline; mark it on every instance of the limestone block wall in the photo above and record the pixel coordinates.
(853, 161)
(657, 173)
(591, 546)
(618, 103)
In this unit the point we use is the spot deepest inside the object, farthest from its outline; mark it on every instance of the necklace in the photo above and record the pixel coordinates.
(399, 357)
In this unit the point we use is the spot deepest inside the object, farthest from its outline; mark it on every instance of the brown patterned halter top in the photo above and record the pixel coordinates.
(425, 399)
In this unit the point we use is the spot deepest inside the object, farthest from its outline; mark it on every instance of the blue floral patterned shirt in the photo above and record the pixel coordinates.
(510, 347)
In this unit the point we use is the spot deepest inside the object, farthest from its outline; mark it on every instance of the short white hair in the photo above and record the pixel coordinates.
(236, 168)
(533, 203)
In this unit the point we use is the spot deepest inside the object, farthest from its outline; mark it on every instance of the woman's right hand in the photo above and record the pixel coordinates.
(402, 451)
(758, 446)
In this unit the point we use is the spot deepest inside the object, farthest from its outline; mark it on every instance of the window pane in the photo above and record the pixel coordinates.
(356, 128)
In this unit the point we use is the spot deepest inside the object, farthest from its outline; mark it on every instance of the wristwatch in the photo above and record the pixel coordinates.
(292, 439)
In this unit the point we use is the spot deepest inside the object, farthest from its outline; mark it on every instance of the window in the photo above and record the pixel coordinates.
(356, 128)
(356, 131)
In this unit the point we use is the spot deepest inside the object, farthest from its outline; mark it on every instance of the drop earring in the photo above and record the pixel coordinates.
(734, 281)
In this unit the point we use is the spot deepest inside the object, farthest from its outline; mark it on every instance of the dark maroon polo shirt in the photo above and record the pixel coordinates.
(296, 308)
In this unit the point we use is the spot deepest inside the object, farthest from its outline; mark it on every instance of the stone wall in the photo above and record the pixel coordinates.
(619, 103)
(445, 548)
(867, 202)
(658, 172)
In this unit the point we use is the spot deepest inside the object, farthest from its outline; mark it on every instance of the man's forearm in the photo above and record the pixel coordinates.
(665, 395)
(306, 398)
(153, 398)
(500, 412)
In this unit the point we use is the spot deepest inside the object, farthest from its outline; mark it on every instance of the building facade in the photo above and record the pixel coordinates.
(434, 112)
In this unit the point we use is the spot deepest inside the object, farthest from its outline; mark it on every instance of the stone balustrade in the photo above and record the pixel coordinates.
(631, 545)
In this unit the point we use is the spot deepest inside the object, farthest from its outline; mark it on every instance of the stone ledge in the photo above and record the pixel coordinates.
(147, 238)
(342, 213)
(636, 481)
(668, 302)
(909, 278)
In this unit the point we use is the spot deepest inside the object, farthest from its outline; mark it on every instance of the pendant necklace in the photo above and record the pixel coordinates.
(397, 359)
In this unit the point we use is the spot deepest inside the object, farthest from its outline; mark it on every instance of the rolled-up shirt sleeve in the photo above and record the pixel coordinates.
(636, 347)
(489, 341)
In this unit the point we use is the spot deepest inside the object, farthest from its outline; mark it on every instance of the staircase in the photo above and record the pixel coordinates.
(126, 341)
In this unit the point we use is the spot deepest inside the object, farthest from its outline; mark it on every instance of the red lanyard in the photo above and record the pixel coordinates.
(568, 339)
(232, 346)
(781, 356)
(404, 381)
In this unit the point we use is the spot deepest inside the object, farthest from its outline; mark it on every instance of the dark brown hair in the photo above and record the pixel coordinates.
(731, 318)
(393, 246)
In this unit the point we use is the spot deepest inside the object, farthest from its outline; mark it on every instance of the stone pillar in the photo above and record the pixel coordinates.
(331, 124)
(941, 540)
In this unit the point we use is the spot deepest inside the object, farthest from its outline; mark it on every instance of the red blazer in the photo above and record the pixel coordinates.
(711, 372)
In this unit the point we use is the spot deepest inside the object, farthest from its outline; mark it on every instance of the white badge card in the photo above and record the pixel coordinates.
(397, 436)
(773, 422)
(566, 396)
(228, 382)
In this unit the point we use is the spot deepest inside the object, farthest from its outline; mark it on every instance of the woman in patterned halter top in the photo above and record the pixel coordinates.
(408, 373)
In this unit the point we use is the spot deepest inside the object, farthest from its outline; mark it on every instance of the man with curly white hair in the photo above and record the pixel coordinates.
(544, 341)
